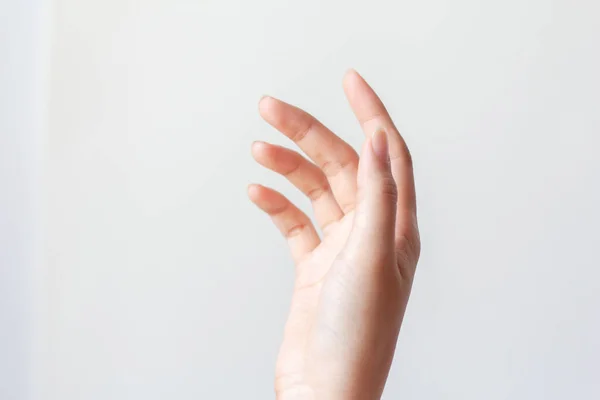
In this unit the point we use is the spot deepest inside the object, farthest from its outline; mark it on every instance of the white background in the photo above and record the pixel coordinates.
(165, 282)
(24, 27)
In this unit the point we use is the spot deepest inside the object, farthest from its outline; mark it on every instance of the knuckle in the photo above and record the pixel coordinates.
(409, 246)
(347, 207)
(317, 192)
(327, 225)
(375, 117)
(294, 230)
(278, 211)
(331, 167)
(388, 188)
(292, 169)
(344, 160)
(303, 128)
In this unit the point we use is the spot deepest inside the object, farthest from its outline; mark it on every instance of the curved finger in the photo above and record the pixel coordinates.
(372, 114)
(336, 158)
(303, 174)
(293, 224)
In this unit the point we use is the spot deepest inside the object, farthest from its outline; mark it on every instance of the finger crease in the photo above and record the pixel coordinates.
(316, 193)
(325, 226)
(372, 118)
(332, 168)
(279, 211)
(347, 208)
(295, 230)
(292, 170)
(298, 136)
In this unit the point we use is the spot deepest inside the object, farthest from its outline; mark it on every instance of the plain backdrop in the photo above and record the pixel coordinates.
(164, 281)
(23, 89)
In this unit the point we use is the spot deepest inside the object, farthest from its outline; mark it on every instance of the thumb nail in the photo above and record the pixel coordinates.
(379, 143)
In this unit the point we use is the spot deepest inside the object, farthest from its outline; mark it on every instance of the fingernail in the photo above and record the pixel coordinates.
(379, 143)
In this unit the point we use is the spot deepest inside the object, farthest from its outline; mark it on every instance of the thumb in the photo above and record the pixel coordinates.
(375, 216)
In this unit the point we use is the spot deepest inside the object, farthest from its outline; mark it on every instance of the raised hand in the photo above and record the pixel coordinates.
(352, 283)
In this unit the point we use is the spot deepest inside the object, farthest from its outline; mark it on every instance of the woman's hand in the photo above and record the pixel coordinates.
(353, 283)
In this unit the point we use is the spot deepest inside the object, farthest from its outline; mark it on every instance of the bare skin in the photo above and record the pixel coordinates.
(353, 281)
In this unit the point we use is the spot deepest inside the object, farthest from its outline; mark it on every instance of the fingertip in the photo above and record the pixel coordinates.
(263, 97)
(350, 74)
(267, 199)
(351, 85)
(265, 106)
(351, 77)
(265, 154)
(347, 77)
(262, 103)
(258, 147)
(254, 190)
(260, 196)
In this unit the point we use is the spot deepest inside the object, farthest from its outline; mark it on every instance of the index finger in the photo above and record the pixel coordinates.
(372, 114)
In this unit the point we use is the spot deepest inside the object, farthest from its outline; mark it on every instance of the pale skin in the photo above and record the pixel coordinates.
(352, 280)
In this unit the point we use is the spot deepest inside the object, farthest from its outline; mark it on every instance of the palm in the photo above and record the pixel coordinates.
(312, 273)
(330, 181)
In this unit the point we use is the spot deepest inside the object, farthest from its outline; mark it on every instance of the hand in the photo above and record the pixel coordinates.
(351, 285)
